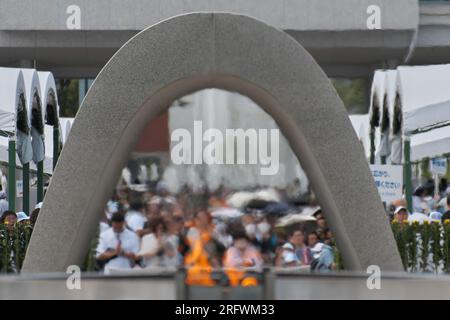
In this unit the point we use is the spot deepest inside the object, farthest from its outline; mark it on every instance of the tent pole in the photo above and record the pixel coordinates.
(407, 173)
(26, 187)
(372, 145)
(55, 144)
(40, 181)
(436, 184)
(12, 173)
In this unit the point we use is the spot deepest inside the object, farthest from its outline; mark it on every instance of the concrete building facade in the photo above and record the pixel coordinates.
(75, 38)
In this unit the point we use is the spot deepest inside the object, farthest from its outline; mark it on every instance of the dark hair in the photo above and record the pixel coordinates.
(419, 190)
(8, 213)
(448, 200)
(240, 234)
(291, 232)
(237, 231)
(178, 220)
(34, 215)
(318, 212)
(136, 206)
(154, 224)
(117, 217)
(312, 233)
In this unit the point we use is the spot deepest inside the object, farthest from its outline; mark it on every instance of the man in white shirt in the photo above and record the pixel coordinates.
(136, 218)
(117, 246)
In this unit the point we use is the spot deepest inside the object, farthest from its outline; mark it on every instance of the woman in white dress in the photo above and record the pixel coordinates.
(152, 245)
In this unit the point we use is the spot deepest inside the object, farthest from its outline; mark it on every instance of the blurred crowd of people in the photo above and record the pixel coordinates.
(203, 234)
(427, 205)
(207, 233)
(15, 233)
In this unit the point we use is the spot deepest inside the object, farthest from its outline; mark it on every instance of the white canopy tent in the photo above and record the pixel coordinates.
(12, 90)
(35, 112)
(425, 96)
(4, 157)
(377, 111)
(14, 112)
(421, 101)
(51, 110)
(430, 144)
(65, 126)
(48, 133)
(393, 105)
(415, 111)
(36, 120)
(405, 101)
(361, 126)
(13, 105)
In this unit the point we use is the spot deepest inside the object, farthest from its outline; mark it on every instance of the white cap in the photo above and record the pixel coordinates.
(436, 216)
(22, 216)
(398, 209)
(39, 205)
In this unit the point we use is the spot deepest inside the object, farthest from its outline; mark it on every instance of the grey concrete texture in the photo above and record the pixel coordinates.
(326, 15)
(112, 288)
(193, 52)
(335, 32)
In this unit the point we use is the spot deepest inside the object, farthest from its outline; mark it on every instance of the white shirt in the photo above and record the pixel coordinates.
(135, 220)
(109, 240)
(150, 245)
(316, 250)
(3, 205)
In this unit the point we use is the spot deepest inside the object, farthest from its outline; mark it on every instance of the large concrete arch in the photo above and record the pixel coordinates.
(192, 52)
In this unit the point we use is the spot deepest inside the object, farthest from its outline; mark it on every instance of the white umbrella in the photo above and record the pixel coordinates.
(139, 187)
(226, 213)
(240, 199)
(310, 211)
(294, 218)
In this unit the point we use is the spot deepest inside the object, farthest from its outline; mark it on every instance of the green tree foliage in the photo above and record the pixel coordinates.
(353, 93)
(68, 96)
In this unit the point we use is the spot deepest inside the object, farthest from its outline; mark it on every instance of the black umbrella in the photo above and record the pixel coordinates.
(278, 208)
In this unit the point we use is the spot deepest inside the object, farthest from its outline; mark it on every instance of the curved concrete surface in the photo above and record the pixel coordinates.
(191, 52)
